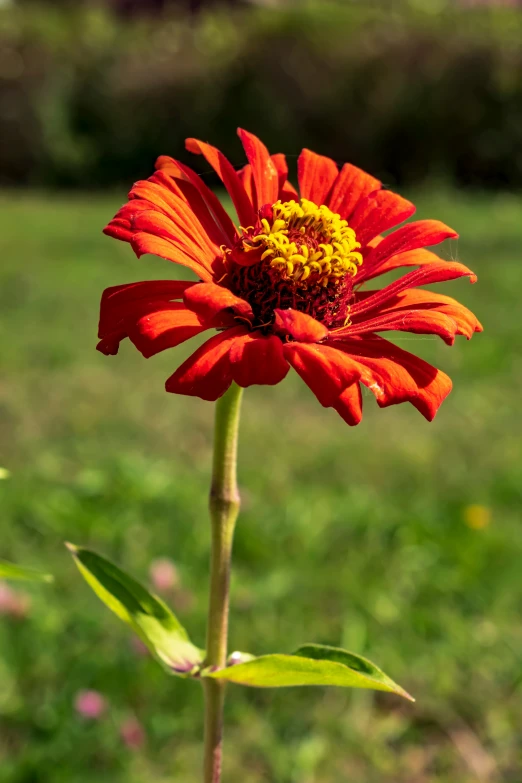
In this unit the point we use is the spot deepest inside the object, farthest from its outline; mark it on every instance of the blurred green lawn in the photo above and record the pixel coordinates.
(352, 537)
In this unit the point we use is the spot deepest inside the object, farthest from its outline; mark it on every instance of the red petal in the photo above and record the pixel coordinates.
(316, 175)
(349, 405)
(120, 227)
(325, 370)
(229, 177)
(158, 225)
(432, 273)
(164, 328)
(110, 344)
(300, 326)
(181, 172)
(422, 233)
(263, 169)
(143, 243)
(122, 305)
(418, 299)
(281, 166)
(415, 321)
(287, 192)
(169, 204)
(207, 228)
(247, 178)
(350, 187)
(419, 257)
(258, 359)
(160, 206)
(377, 213)
(208, 372)
(396, 376)
(208, 300)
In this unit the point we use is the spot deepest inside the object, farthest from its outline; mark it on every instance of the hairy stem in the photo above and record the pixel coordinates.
(224, 508)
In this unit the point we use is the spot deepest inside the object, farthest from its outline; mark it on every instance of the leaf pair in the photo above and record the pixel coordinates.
(168, 641)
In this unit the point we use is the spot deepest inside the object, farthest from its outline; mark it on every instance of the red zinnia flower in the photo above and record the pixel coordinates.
(286, 288)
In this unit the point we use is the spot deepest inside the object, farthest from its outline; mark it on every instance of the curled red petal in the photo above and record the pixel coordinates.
(378, 212)
(351, 186)
(395, 376)
(300, 326)
(264, 172)
(316, 175)
(229, 177)
(258, 359)
(120, 227)
(208, 372)
(122, 305)
(116, 300)
(327, 371)
(349, 405)
(209, 300)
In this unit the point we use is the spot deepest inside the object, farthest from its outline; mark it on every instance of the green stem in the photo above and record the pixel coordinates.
(224, 509)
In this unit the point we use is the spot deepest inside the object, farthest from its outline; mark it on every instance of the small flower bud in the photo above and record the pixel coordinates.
(132, 733)
(164, 575)
(90, 704)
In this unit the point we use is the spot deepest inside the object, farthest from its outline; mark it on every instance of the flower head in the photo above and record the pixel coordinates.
(286, 286)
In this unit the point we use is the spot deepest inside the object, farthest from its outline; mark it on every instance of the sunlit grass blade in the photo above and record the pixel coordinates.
(311, 664)
(12, 571)
(147, 615)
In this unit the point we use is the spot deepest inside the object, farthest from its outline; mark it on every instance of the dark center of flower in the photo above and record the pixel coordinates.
(298, 255)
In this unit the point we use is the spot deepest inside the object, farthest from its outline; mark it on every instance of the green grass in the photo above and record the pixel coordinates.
(352, 537)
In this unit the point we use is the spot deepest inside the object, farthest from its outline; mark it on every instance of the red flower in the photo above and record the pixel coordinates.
(286, 288)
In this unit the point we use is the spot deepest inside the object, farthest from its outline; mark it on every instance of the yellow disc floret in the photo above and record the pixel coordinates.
(307, 244)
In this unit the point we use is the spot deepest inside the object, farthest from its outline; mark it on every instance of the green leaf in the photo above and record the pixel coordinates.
(311, 664)
(12, 571)
(147, 615)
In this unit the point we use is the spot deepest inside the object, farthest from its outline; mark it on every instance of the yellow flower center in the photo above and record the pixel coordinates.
(298, 256)
(305, 243)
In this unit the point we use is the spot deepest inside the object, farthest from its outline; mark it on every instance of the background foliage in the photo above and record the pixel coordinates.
(89, 98)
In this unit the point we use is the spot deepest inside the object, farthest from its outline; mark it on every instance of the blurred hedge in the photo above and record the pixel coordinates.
(407, 92)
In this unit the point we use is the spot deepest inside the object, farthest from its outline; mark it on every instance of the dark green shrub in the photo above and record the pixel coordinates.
(89, 100)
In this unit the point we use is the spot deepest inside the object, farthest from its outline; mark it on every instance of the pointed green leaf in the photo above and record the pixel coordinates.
(12, 571)
(147, 615)
(311, 664)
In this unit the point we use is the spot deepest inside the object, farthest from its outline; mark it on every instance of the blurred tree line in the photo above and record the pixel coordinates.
(410, 91)
(141, 7)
